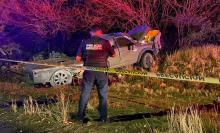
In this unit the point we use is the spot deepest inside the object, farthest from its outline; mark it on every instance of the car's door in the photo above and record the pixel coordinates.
(127, 51)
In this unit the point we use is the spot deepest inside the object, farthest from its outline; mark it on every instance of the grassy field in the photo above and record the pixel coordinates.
(130, 109)
(136, 104)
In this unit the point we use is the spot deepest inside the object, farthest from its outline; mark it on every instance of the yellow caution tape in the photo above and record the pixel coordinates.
(159, 75)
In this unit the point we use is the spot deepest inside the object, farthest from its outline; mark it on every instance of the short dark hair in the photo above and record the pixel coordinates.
(95, 28)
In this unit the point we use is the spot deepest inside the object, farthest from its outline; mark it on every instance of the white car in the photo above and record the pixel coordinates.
(130, 49)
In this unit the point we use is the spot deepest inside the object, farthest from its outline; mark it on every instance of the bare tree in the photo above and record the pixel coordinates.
(194, 20)
(43, 17)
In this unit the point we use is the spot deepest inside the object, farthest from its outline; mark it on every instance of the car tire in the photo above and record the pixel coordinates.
(147, 60)
(61, 77)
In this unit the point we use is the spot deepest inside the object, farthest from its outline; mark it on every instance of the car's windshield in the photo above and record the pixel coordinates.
(123, 42)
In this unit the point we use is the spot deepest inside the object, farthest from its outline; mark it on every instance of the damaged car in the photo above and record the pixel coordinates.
(130, 48)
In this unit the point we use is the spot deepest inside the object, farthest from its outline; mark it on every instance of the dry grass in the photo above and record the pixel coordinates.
(204, 61)
(198, 60)
(31, 107)
(185, 122)
(60, 112)
(14, 106)
(63, 107)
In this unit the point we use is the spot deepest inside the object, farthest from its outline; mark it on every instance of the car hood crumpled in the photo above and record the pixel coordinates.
(139, 32)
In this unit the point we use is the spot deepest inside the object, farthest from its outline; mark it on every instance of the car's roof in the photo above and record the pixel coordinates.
(136, 34)
(114, 35)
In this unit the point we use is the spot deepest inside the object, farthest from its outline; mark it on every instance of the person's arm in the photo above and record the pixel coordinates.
(79, 52)
(111, 50)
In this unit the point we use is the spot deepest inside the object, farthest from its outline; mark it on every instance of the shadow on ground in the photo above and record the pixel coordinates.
(131, 117)
(215, 106)
(136, 116)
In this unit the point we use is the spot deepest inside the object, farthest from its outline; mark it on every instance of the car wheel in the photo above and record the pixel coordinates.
(147, 60)
(61, 77)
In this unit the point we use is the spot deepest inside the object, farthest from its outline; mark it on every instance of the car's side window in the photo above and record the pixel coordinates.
(123, 42)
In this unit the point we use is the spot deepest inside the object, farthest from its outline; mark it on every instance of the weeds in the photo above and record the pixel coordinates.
(63, 108)
(31, 107)
(185, 122)
(14, 106)
(60, 111)
(202, 61)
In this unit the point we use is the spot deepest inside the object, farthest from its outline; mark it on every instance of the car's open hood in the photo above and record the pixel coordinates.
(139, 32)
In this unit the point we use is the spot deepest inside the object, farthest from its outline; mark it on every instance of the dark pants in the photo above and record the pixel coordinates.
(90, 78)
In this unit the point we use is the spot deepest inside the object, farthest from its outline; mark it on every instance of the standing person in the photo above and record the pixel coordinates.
(94, 52)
